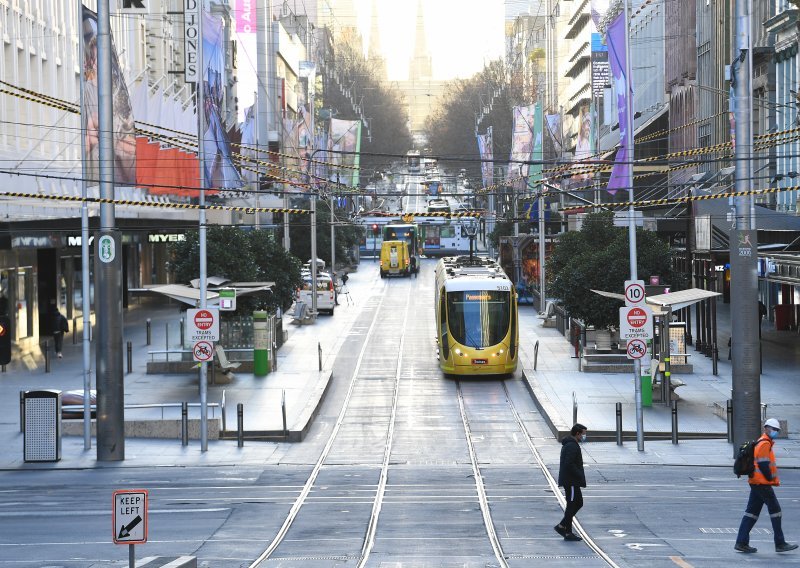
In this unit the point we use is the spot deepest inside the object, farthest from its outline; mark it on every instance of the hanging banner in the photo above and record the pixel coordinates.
(487, 155)
(124, 133)
(217, 159)
(521, 146)
(345, 143)
(537, 150)
(624, 92)
(245, 16)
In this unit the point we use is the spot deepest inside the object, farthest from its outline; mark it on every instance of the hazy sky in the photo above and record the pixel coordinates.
(461, 34)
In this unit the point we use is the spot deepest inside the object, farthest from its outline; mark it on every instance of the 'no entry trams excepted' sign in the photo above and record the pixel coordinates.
(635, 322)
(202, 325)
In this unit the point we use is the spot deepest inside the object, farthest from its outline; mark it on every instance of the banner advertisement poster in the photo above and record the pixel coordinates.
(521, 146)
(623, 90)
(124, 132)
(537, 151)
(487, 155)
(245, 16)
(345, 143)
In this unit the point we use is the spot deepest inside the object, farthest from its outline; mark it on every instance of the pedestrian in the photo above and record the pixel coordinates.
(762, 313)
(572, 478)
(762, 481)
(60, 327)
(414, 265)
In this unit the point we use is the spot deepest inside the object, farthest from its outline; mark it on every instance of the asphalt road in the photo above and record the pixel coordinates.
(403, 468)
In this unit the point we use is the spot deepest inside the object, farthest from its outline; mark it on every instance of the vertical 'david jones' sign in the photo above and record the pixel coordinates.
(191, 31)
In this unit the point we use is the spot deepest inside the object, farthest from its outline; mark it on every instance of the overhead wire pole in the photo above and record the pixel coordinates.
(629, 141)
(745, 356)
(201, 121)
(108, 270)
(86, 302)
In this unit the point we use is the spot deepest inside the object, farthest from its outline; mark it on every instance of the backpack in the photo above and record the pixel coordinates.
(744, 464)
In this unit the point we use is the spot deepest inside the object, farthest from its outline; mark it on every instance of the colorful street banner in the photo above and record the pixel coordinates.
(487, 155)
(583, 147)
(220, 173)
(620, 173)
(537, 150)
(553, 122)
(345, 144)
(124, 132)
(521, 146)
(245, 16)
(305, 143)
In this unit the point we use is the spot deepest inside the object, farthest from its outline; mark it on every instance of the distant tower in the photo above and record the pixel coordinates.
(421, 67)
(374, 54)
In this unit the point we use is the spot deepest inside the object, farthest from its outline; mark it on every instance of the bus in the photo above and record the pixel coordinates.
(409, 232)
(413, 161)
(477, 326)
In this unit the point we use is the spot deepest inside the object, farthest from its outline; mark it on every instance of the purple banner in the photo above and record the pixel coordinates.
(624, 90)
(486, 152)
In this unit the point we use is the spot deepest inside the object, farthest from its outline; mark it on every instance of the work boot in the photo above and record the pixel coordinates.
(560, 530)
(785, 547)
(746, 548)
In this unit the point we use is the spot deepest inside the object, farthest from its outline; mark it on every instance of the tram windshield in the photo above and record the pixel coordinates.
(478, 318)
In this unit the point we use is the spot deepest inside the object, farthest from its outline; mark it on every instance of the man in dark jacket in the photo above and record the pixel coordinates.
(571, 477)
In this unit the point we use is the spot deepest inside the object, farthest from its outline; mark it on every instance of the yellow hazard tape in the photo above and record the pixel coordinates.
(129, 202)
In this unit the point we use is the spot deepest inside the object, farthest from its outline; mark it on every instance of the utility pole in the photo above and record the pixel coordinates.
(108, 266)
(746, 380)
(629, 140)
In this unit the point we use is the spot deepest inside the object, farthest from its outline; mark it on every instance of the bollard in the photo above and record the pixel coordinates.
(22, 411)
(283, 412)
(674, 421)
(149, 336)
(274, 358)
(183, 346)
(184, 424)
(74, 331)
(166, 337)
(619, 423)
(763, 411)
(46, 357)
(130, 357)
(535, 354)
(714, 359)
(240, 424)
(729, 419)
(574, 408)
(319, 352)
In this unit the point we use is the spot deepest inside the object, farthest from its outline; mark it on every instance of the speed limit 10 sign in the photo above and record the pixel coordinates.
(634, 292)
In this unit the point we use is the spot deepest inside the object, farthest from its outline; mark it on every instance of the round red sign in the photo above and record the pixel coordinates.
(636, 349)
(637, 317)
(203, 319)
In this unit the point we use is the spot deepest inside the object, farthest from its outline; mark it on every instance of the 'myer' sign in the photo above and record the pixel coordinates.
(635, 322)
(202, 325)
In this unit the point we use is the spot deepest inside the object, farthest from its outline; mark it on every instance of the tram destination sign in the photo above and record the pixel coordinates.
(635, 322)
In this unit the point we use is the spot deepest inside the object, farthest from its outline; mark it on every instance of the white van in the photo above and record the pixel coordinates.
(326, 295)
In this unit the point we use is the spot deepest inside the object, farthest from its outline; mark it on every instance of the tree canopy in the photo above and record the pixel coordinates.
(597, 257)
(241, 256)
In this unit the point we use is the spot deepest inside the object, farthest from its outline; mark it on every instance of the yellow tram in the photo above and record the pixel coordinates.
(477, 326)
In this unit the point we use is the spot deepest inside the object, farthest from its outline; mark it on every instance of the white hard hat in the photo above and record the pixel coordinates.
(772, 423)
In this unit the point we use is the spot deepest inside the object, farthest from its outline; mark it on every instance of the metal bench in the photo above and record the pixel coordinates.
(222, 361)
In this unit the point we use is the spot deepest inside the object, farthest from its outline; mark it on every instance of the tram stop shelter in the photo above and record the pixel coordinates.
(672, 335)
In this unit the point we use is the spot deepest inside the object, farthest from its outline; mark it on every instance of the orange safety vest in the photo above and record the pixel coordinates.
(763, 453)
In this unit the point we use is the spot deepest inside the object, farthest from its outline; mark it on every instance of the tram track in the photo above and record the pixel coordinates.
(484, 501)
(302, 498)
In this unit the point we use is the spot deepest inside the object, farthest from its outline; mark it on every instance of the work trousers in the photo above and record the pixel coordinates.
(761, 495)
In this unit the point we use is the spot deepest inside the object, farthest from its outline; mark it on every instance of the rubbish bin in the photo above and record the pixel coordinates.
(42, 441)
(784, 317)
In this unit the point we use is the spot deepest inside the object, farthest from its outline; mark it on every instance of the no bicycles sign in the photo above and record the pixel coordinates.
(203, 351)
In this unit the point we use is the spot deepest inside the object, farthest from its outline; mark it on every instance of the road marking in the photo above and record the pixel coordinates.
(680, 562)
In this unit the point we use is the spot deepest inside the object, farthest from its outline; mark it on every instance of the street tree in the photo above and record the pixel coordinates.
(597, 257)
(240, 256)
(347, 236)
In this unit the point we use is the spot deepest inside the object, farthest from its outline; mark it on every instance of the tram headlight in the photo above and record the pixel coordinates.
(499, 352)
(458, 352)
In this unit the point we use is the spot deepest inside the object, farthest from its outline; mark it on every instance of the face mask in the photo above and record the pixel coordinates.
(773, 434)
(583, 438)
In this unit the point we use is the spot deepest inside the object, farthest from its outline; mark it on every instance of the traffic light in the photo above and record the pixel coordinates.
(375, 229)
(5, 340)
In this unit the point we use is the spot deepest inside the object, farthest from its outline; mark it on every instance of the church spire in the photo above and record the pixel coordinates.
(421, 67)
(374, 54)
